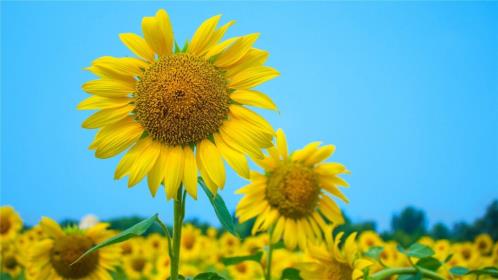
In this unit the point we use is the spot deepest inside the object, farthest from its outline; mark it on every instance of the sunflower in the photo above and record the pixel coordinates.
(138, 265)
(51, 258)
(484, 243)
(369, 238)
(332, 263)
(181, 111)
(292, 195)
(10, 263)
(10, 224)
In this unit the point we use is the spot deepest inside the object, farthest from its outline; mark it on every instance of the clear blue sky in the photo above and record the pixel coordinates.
(408, 92)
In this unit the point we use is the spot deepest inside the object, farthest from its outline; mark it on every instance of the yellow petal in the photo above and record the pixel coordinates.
(128, 159)
(254, 57)
(114, 67)
(51, 228)
(95, 102)
(234, 158)
(137, 45)
(190, 172)
(252, 77)
(282, 144)
(331, 210)
(253, 98)
(107, 116)
(302, 154)
(278, 230)
(203, 35)
(332, 188)
(158, 33)
(156, 174)
(320, 154)
(236, 51)
(209, 160)
(209, 182)
(109, 88)
(215, 50)
(301, 235)
(330, 168)
(239, 141)
(115, 138)
(144, 163)
(252, 117)
(173, 171)
(290, 234)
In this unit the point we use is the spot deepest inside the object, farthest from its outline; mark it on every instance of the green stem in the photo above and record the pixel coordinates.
(179, 210)
(386, 273)
(270, 255)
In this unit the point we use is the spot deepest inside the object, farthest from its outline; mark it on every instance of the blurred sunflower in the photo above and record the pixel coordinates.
(332, 263)
(10, 263)
(183, 110)
(369, 238)
(10, 224)
(138, 265)
(51, 258)
(484, 243)
(292, 194)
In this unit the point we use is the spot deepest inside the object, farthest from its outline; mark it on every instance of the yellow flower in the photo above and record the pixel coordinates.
(467, 254)
(369, 239)
(245, 271)
(163, 265)
(332, 263)
(10, 263)
(10, 224)
(51, 258)
(292, 195)
(137, 266)
(190, 245)
(484, 243)
(229, 244)
(157, 245)
(129, 247)
(442, 249)
(180, 111)
(426, 241)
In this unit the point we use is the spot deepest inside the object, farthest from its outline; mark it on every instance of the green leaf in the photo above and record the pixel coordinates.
(256, 257)
(417, 276)
(290, 274)
(136, 230)
(429, 263)
(208, 276)
(185, 47)
(448, 258)
(490, 270)
(220, 209)
(459, 270)
(177, 48)
(374, 252)
(180, 277)
(5, 276)
(419, 251)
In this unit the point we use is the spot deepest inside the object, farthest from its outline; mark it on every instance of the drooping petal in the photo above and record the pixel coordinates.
(51, 228)
(117, 67)
(173, 171)
(115, 138)
(144, 163)
(254, 57)
(209, 160)
(156, 174)
(278, 230)
(190, 172)
(290, 234)
(234, 158)
(128, 159)
(252, 117)
(137, 45)
(95, 102)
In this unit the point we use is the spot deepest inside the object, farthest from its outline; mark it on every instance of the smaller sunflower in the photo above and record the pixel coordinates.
(332, 263)
(293, 194)
(138, 266)
(51, 258)
(10, 224)
(484, 243)
(369, 238)
(10, 263)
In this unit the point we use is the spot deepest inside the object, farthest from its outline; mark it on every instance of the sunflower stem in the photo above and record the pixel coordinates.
(387, 273)
(270, 255)
(179, 213)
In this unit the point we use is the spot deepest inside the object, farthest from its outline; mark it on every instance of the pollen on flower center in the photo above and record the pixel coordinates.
(4, 225)
(293, 189)
(339, 271)
(69, 248)
(182, 99)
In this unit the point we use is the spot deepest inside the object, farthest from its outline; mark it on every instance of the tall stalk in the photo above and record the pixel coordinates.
(179, 213)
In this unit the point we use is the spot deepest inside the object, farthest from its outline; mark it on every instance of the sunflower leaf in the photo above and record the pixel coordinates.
(220, 209)
(419, 251)
(256, 257)
(136, 230)
(290, 274)
(208, 276)
(429, 263)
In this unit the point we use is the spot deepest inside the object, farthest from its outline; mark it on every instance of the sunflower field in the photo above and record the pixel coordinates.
(179, 117)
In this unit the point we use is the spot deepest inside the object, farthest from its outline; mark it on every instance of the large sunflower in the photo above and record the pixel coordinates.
(329, 262)
(292, 195)
(181, 110)
(51, 258)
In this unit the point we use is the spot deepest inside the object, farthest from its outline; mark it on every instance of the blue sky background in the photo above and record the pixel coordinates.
(408, 92)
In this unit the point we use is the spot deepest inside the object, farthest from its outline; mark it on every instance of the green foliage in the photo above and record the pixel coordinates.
(136, 230)
(220, 209)
(290, 274)
(429, 263)
(374, 252)
(417, 250)
(256, 257)
(208, 276)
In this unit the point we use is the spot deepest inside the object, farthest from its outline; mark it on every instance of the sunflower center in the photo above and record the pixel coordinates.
(138, 264)
(10, 262)
(69, 248)
(188, 242)
(4, 225)
(339, 271)
(182, 99)
(293, 189)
